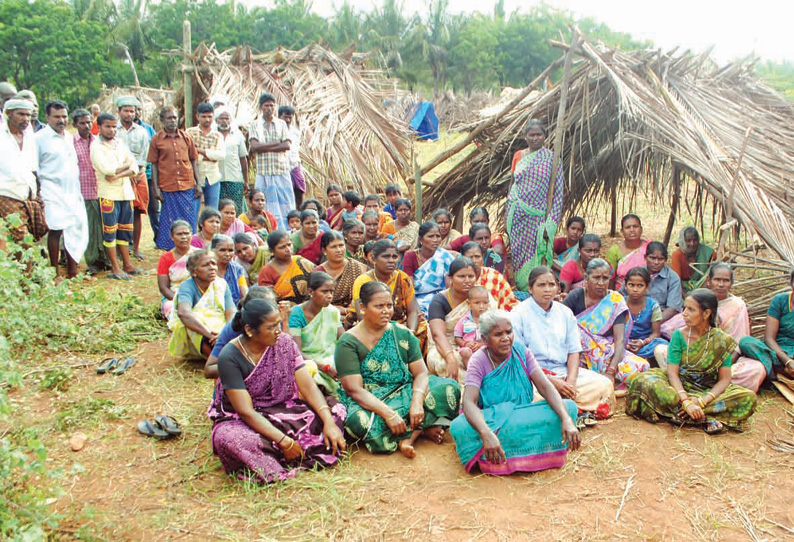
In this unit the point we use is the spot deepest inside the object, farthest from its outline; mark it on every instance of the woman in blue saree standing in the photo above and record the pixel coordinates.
(391, 400)
(503, 430)
(526, 204)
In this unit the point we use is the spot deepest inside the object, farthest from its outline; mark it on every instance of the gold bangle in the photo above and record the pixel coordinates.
(323, 407)
(419, 390)
(291, 444)
(393, 416)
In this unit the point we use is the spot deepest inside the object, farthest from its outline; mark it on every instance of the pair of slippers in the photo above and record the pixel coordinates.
(114, 366)
(584, 420)
(162, 427)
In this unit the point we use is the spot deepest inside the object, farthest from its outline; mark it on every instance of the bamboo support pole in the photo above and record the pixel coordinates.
(676, 178)
(729, 206)
(187, 73)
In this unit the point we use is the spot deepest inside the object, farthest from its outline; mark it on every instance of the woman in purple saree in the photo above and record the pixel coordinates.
(263, 430)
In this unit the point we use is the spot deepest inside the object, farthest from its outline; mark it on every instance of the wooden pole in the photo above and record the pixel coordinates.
(560, 128)
(729, 209)
(187, 73)
(676, 178)
(418, 188)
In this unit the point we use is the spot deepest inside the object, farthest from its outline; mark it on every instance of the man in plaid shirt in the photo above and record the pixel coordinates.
(95, 256)
(270, 143)
(211, 150)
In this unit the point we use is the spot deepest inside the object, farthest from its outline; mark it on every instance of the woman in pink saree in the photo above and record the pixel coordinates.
(630, 252)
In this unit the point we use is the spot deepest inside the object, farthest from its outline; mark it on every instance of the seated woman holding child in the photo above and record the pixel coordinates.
(203, 305)
(549, 329)
(288, 275)
(503, 430)
(256, 207)
(489, 278)
(696, 387)
(270, 420)
(446, 310)
(390, 398)
(604, 325)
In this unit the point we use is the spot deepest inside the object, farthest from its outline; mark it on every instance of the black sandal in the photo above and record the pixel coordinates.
(148, 428)
(713, 427)
(107, 364)
(123, 366)
(168, 424)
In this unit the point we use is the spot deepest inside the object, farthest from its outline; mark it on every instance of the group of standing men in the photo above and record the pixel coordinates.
(91, 189)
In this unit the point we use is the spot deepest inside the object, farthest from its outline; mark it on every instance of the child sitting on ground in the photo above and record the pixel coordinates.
(294, 220)
(467, 330)
(645, 314)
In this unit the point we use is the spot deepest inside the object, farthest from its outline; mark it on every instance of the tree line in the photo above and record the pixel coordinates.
(69, 49)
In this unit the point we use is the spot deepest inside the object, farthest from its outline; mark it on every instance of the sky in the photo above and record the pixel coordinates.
(735, 30)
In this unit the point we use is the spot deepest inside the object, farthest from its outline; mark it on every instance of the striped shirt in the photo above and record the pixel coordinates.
(212, 144)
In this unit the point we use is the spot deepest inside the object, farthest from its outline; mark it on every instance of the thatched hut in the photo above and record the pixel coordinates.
(647, 120)
(348, 137)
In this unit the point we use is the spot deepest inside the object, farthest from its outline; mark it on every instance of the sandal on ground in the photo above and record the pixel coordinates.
(713, 427)
(139, 256)
(150, 429)
(580, 425)
(588, 419)
(134, 272)
(107, 364)
(123, 366)
(119, 276)
(168, 424)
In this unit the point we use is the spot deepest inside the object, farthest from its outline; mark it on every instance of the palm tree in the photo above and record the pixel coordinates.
(433, 34)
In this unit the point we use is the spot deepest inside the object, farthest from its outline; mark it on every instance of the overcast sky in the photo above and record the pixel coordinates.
(735, 30)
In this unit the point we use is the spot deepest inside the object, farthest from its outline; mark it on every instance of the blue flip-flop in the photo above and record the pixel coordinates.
(123, 366)
(107, 364)
(150, 429)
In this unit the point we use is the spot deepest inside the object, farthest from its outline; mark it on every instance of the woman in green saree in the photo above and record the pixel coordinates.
(777, 350)
(390, 398)
(316, 325)
(696, 388)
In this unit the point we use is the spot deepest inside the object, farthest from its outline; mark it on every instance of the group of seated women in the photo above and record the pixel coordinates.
(391, 331)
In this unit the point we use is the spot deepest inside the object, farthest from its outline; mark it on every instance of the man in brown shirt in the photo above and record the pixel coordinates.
(173, 157)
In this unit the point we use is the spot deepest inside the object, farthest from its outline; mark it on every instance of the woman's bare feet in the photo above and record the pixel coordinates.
(434, 433)
(407, 449)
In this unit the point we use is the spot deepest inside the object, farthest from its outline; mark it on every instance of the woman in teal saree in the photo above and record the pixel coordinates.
(390, 398)
(777, 349)
(503, 430)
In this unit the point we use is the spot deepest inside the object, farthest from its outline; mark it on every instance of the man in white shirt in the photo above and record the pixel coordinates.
(209, 145)
(287, 114)
(137, 139)
(234, 166)
(18, 187)
(59, 176)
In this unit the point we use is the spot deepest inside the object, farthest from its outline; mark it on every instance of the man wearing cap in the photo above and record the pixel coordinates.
(137, 140)
(234, 166)
(59, 176)
(173, 156)
(270, 143)
(18, 187)
(209, 146)
(114, 166)
(35, 123)
(95, 256)
(7, 91)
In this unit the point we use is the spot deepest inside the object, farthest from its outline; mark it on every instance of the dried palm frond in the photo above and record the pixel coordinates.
(348, 137)
(634, 117)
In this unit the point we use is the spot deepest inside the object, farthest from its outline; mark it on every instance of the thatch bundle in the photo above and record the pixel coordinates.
(348, 138)
(632, 119)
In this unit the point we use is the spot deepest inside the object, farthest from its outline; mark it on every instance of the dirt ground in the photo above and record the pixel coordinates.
(631, 480)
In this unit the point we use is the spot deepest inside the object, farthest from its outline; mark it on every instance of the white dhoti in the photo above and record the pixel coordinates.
(66, 212)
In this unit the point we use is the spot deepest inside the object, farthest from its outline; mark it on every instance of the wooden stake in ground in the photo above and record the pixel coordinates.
(559, 131)
(187, 73)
